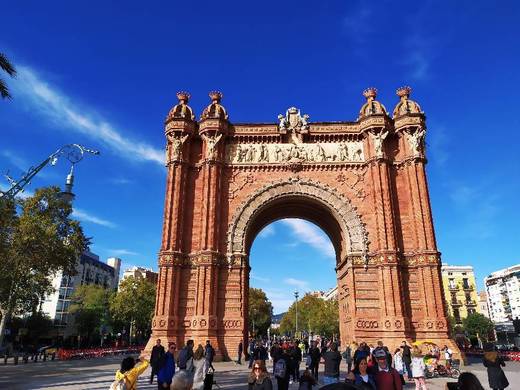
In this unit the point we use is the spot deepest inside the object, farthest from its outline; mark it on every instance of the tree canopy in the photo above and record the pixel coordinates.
(478, 325)
(134, 302)
(37, 239)
(90, 309)
(314, 315)
(260, 311)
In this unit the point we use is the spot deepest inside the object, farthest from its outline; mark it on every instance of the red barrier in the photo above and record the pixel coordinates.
(91, 353)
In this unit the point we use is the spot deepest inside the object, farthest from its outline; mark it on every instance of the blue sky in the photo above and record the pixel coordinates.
(104, 74)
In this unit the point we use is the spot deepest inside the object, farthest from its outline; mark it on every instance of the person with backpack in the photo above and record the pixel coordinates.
(185, 358)
(282, 370)
(387, 378)
(166, 368)
(126, 377)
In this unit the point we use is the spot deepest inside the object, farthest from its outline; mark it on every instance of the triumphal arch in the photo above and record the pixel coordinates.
(363, 182)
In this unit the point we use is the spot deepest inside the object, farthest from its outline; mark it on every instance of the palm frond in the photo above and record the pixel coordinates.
(6, 65)
(4, 91)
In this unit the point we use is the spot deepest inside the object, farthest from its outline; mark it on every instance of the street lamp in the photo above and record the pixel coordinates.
(296, 307)
(72, 152)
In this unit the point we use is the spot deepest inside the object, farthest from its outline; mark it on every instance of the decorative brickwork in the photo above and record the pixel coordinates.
(363, 183)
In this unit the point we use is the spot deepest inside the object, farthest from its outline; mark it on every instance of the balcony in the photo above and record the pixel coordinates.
(468, 288)
(456, 302)
(453, 287)
(471, 303)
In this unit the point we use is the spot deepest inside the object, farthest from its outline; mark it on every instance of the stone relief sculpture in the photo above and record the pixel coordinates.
(175, 146)
(211, 143)
(294, 123)
(415, 140)
(282, 153)
(378, 139)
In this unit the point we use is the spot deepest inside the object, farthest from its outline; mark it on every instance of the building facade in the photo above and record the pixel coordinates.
(363, 182)
(483, 303)
(503, 294)
(460, 291)
(89, 270)
(141, 273)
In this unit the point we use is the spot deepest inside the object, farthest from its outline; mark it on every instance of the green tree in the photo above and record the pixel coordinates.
(37, 239)
(90, 309)
(260, 311)
(6, 66)
(314, 315)
(134, 304)
(478, 325)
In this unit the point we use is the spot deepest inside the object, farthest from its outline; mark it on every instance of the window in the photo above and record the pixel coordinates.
(465, 283)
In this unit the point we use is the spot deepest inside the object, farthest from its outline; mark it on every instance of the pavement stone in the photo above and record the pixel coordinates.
(99, 374)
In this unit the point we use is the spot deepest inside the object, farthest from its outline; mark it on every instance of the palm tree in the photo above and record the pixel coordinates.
(10, 70)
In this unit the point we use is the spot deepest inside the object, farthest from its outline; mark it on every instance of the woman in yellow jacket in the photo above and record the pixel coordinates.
(130, 372)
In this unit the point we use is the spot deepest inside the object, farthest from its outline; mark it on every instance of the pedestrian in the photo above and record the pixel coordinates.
(251, 351)
(282, 370)
(347, 355)
(296, 357)
(418, 368)
(448, 354)
(361, 377)
(496, 376)
(167, 368)
(209, 355)
(198, 368)
(240, 351)
(127, 375)
(275, 352)
(381, 347)
(183, 380)
(398, 364)
(259, 378)
(185, 357)
(156, 357)
(407, 359)
(468, 381)
(307, 380)
(332, 360)
(315, 355)
(386, 377)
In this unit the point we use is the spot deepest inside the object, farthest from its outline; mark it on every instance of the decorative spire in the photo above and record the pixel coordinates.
(406, 105)
(181, 109)
(215, 110)
(372, 106)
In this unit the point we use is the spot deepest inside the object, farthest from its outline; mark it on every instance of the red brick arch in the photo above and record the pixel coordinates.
(363, 182)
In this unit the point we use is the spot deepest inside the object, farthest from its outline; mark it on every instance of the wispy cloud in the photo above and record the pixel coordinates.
(268, 231)
(301, 284)
(306, 232)
(122, 252)
(281, 300)
(259, 278)
(59, 108)
(121, 181)
(84, 216)
(356, 22)
(15, 159)
(437, 140)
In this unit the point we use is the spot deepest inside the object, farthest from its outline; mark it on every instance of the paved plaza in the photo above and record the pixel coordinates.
(99, 374)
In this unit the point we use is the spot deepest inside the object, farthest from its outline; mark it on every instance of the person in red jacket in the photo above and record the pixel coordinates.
(387, 378)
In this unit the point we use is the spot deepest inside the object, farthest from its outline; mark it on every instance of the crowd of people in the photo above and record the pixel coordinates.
(297, 362)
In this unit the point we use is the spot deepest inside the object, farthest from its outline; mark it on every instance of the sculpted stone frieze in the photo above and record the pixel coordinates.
(334, 152)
